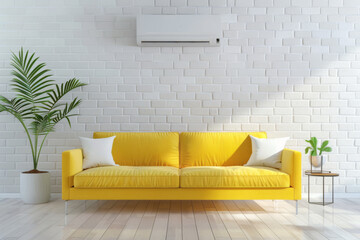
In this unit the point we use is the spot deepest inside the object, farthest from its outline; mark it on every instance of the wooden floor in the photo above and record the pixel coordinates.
(179, 220)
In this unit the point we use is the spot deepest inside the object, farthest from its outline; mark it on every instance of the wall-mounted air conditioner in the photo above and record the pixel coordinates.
(178, 30)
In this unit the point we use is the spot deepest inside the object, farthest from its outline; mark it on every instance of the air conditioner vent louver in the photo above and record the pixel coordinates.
(178, 30)
(175, 41)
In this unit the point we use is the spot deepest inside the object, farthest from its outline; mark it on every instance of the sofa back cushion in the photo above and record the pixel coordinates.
(216, 148)
(144, 149)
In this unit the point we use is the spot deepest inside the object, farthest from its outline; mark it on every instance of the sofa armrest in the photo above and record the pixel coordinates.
(291, 164)
(71, 165)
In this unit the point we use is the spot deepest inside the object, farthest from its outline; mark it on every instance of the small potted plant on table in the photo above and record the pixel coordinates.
(316, 160)
(38, 106)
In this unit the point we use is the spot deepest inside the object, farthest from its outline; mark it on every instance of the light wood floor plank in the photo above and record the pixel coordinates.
(313, 231)
(218, 228)
(334, 220)
(250, 214)
(174, 229)
(276, 217)
(98, 231)
(159, 229)
(147, 221)
(188, 221)
(248, 228)
(158, 220)
(233, 229)
(92, 221)
(202, 223)
(266, 216)
(12, 219)
(116, 227)
(78, 214)
(133, 222)
(30, 226)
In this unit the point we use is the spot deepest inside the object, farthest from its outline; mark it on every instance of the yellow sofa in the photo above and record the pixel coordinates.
(185, 166)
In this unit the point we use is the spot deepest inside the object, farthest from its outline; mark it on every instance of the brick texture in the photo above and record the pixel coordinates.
(286, 67)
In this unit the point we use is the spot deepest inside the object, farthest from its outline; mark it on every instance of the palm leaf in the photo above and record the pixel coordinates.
(60, 91)
(65, 113)
(15, 107)
(42, 125)
(31, 81)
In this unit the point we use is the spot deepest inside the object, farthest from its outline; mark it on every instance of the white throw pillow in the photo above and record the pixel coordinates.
(266, 152)
(97, 152)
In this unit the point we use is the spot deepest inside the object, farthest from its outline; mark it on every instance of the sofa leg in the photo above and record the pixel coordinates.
(297, 207)
(66, 207)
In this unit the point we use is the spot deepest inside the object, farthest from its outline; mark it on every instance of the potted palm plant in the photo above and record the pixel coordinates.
(316, 158)
(38, 106)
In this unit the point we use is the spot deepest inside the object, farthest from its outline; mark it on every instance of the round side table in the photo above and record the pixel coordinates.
(323, 175)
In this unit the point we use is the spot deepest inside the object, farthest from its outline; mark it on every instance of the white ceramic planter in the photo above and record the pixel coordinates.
(35, 187)
(315, 161)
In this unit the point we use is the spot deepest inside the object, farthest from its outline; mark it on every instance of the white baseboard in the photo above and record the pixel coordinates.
(304, 195)
(9, 195)
(56, 195)
(17, 195)
(328, 195)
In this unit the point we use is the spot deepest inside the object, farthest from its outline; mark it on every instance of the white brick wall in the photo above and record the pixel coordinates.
(286, 67)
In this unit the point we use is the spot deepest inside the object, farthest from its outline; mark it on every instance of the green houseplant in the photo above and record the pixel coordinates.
(315, 152)
(38, 105)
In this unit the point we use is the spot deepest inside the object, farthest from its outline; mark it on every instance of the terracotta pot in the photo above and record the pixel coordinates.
(35, 187)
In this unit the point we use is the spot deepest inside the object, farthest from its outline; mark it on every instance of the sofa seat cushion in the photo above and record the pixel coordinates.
(128, 177)
(233, 177)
